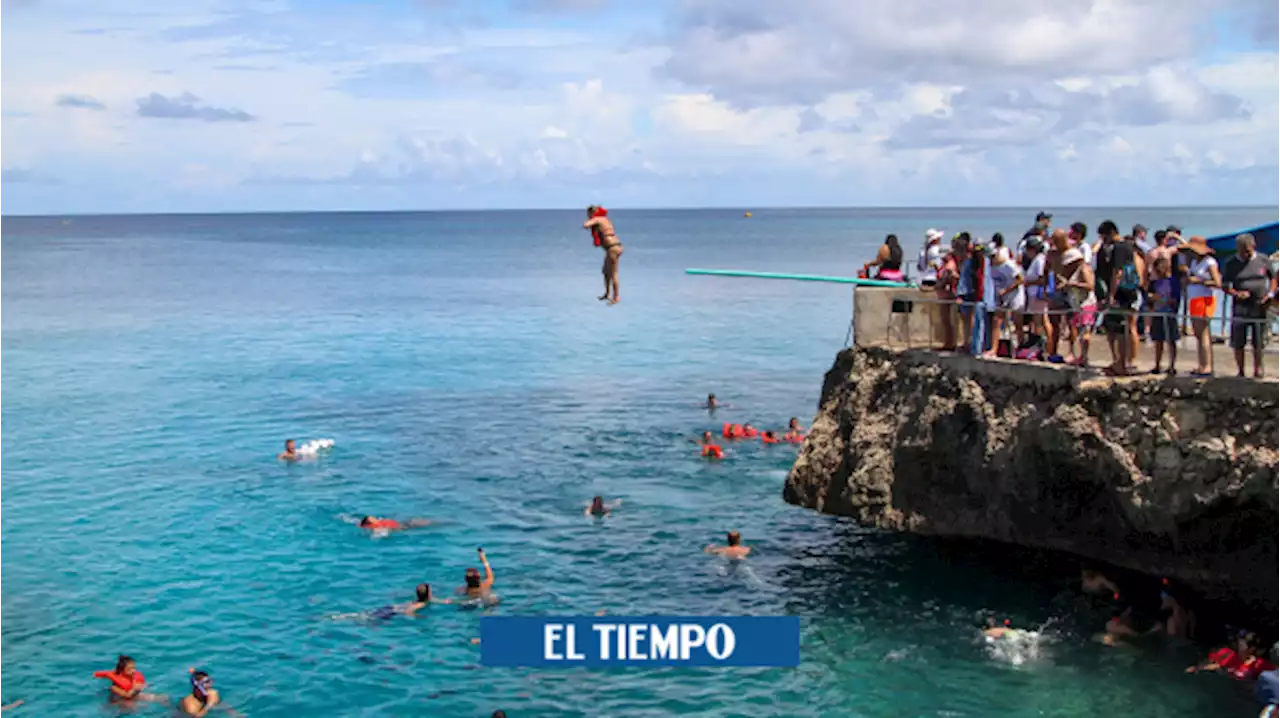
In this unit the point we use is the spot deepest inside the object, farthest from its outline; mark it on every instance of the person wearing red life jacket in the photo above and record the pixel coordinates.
(605, 238)
(375, 523)
(127, 682)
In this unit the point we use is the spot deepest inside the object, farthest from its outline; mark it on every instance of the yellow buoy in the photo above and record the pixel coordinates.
(746, 214)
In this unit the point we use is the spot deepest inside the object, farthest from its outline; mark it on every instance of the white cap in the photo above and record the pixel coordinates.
(933, 235)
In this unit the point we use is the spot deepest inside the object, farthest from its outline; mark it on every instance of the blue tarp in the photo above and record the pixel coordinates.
(1265, 235)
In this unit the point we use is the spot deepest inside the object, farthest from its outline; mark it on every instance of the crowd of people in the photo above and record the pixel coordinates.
(1056, 288)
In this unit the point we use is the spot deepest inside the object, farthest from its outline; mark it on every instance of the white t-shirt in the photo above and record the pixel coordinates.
(1087, 250)
(1003, 277)
(1200, 267)
(1035, 271)
(930, 262)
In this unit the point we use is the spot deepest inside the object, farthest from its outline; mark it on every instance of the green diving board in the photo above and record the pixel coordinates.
(796, 277)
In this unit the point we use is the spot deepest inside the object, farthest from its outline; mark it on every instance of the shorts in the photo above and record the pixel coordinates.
(1085, 317)
(1202, 307)
(967, 308)
(1164, 328)
(1013, 302)
(1249, 318)
(1038, 306)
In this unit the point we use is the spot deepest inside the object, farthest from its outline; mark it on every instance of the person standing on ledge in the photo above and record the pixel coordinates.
(1248, 278)
(607, 239)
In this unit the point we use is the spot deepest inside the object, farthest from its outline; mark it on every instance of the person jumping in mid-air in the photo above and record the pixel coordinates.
(607, 239)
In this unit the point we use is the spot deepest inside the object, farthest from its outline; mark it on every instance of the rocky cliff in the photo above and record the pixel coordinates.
(1169, 477)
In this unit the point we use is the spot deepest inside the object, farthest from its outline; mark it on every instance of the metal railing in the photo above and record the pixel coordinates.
(981, 341)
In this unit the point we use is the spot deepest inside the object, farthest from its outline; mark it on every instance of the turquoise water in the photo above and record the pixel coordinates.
(153, 365)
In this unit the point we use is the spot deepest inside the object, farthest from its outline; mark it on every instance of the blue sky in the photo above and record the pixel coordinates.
(207, 105)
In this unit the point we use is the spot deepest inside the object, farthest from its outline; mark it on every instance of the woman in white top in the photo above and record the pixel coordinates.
(1036, 278)
(1203, 280)
(930, 260)
(1010, 299)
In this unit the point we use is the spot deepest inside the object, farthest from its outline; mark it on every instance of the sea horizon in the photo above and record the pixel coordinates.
(672, 208)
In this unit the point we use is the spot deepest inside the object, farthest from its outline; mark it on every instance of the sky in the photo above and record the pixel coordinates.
(212, 106)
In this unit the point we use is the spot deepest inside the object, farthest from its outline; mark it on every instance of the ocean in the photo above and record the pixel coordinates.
(153, 366)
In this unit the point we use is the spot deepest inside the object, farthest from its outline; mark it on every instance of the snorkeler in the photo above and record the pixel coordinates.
(735, 549)
(598, 507)
(290, 452)
(203, 696)
(477, 587)
(373, 523)
(607, 239)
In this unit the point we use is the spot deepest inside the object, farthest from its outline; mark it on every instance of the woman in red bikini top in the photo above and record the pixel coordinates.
(606, 238)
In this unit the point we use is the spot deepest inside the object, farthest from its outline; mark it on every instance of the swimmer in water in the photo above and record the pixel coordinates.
(734, 550)
(374, 523)
(424, 599)
(793, 427)
(127, 683)
(598, 507)
(477, 587)
(1094, 583)
(15, 704)
(203, 696)
(290, 452)
(711, 404)
(770, 437)
(749, 431)
(995, 630)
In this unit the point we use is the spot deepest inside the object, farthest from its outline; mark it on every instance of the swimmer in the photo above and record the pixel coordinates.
(424, 599)
(734, 550)
(374, 523)
(127, 682)
(1094, 583)
(710, 449)
(711, 404)
(290, 452)
(477, 587)
(770, 437)
(794, 426)
(997, 631)
(749, 431)
(1242, 662)
(598, 507)
(203, 696)
(15, 704)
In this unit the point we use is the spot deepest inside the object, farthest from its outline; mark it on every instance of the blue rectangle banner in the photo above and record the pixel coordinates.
(615, 641)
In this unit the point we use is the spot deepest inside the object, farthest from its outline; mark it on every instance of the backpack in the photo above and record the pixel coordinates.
(1129, 279)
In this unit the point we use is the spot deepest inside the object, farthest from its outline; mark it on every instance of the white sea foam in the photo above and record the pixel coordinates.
(1017, 647)
(315, 446)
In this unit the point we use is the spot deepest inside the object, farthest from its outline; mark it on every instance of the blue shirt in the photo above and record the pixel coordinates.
(1267, 691)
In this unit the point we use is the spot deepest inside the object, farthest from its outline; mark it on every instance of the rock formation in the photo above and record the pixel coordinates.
(1169, 477)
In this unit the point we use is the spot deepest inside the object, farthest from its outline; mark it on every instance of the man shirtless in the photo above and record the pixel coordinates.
(476, 587)
(290, 452)
(607, 239)
(735, 549)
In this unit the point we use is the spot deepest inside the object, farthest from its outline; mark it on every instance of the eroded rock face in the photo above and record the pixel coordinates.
(1172, 478)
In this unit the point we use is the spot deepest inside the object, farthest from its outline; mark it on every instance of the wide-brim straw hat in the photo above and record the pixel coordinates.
(1198, 245)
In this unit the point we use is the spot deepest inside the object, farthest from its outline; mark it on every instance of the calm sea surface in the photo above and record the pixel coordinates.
(152, 367)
